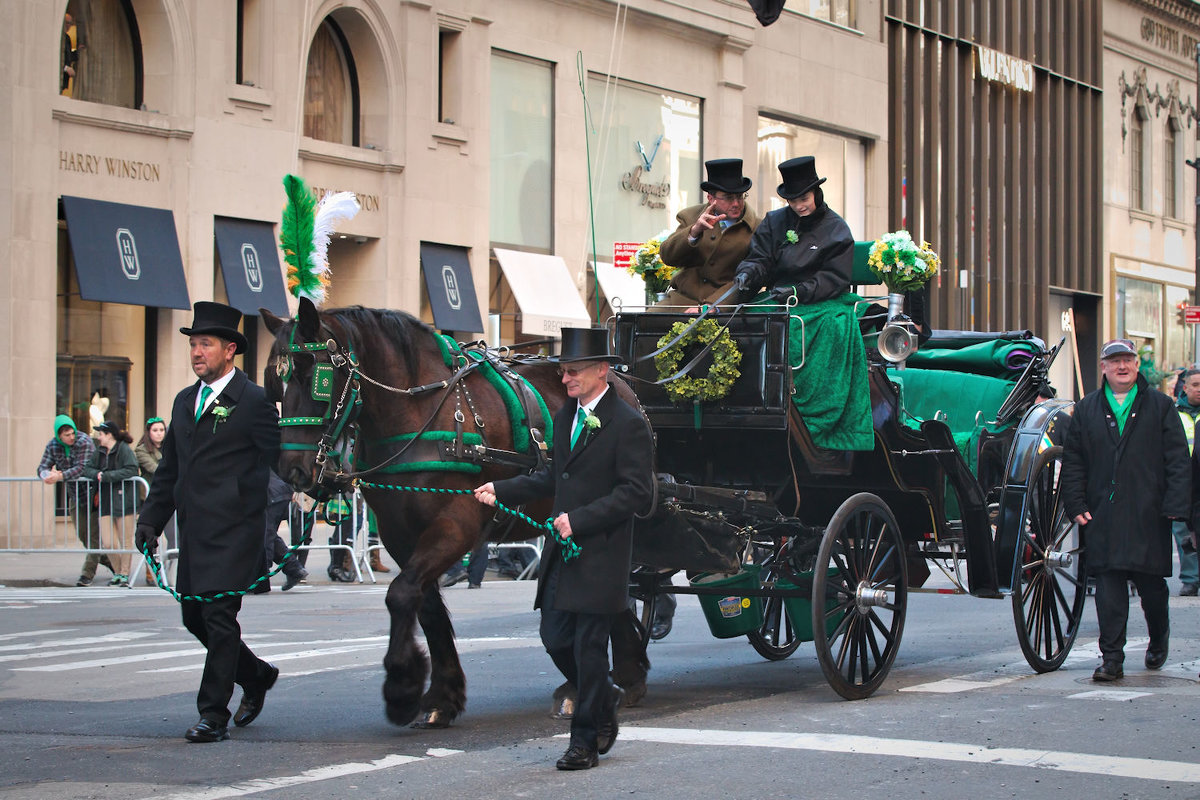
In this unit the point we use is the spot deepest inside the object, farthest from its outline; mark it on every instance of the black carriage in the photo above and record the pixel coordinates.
(786, 542)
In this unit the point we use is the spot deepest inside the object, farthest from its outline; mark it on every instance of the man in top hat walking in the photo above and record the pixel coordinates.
(600, 477)
(1126, 475)
(217, 455)
(712, 238)
(805, 247)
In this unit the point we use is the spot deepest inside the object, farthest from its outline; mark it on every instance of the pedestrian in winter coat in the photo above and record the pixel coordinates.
(805, 245)
(111, 466)
(1126, 476)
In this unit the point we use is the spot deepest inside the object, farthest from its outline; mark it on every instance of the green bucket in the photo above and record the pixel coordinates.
(799, 609)
(731, 615)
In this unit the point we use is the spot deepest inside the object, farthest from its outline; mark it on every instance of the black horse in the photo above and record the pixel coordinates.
(378, 396)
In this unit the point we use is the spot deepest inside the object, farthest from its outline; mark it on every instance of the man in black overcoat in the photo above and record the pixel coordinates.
(600, 477)
(1126, 475)
(217, 456)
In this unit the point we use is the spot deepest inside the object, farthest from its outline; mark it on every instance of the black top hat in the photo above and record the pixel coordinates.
(585, 344)
(217, 319)
(799, 176)
(725, 175)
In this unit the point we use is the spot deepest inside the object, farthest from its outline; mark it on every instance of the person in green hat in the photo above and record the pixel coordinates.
(63, 461)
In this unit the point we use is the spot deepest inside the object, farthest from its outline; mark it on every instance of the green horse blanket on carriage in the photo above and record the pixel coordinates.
(832, 391)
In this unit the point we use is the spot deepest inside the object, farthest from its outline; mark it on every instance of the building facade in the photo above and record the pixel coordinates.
(472, 125)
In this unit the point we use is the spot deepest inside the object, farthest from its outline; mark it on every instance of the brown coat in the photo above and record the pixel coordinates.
(707, 267)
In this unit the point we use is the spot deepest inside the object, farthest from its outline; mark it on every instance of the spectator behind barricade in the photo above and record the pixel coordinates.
(1188, 406)
(149, 452)
(1126, 476)
(63, 461)
(346, 524)
(111, 466)
(712, 238)
(377, 564)
(279, 501)
(805, 247)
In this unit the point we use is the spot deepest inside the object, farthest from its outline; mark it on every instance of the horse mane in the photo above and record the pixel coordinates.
(402, 330)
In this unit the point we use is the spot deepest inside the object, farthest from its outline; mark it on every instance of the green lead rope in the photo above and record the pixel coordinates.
(569, 548)
(156, 568)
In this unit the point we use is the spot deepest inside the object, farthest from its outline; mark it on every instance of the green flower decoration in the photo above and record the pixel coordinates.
(220, 413)
(792, 237)
(591, 421)
(724, 370)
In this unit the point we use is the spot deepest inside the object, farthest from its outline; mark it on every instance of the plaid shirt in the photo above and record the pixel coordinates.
(71, 466)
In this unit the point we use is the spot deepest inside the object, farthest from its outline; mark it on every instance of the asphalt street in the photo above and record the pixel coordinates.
(97, 686)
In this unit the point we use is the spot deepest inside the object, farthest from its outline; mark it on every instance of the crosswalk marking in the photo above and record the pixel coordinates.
(1160, 771)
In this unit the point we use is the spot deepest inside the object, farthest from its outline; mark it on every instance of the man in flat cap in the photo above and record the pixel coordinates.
(217, 456)
(1126, 475)
(712, 238)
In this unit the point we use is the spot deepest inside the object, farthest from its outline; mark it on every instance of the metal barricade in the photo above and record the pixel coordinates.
(72, 517)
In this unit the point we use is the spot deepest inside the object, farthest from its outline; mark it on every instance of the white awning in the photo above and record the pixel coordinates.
(545, 292)
(624, 291)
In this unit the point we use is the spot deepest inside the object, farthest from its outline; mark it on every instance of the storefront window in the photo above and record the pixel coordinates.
(645, 148)
(842, 160)
(99, 59)
(522, 174)
(839, 11)
(1178, 338)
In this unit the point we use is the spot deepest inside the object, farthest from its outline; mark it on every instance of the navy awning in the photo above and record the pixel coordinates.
(125, 254)
(451, 291)
(250, 265)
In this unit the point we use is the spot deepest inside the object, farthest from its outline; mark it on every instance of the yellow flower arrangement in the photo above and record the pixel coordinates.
(648, 265)
(900, 264)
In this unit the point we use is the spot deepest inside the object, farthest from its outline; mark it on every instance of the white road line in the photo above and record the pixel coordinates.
(119, 636)
(1160, 771)
(111, 662)
(308, 776)
(279, 657)
(1108, 694)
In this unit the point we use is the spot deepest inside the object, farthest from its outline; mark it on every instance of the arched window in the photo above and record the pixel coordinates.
(1137, 157)
(331, 88)
(1171, 168)
(101, 53)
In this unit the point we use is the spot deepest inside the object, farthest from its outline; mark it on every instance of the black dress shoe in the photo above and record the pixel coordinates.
(1108, 671)
(295, 579)
(1156, 657)
(252, 701)
(261, 588)
(578, 757)
(606, 731)
(206, 731)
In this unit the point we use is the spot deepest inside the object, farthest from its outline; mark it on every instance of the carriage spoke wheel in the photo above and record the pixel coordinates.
(1050, 585)
(860, 595)
(776, 639)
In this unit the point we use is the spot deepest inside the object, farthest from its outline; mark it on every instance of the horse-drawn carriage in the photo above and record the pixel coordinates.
(795, 541)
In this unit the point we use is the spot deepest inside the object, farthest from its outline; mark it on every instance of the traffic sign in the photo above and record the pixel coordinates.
(1191, 315)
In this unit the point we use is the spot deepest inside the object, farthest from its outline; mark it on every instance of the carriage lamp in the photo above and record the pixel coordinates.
(898, 340)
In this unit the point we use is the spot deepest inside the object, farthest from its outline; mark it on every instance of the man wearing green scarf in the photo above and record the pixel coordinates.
(63, 461)
(1126, 477)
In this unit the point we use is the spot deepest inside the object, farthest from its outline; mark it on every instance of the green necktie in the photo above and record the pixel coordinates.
(579, 426)
(205, 392)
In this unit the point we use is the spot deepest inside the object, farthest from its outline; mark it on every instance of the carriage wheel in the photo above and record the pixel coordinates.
(1050, 586)
(860, 595)
(776, 639)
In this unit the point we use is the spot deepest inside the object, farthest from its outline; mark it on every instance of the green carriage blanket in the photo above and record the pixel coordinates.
(832, 391)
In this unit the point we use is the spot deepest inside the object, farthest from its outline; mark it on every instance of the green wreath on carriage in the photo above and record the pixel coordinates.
(713, 385)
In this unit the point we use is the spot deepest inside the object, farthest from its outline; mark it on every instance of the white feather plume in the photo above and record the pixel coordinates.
(334, 208)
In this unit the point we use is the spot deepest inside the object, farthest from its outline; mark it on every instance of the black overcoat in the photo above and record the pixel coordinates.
(1132, 484)
(214, 475)
(818, 264)
(600, 484)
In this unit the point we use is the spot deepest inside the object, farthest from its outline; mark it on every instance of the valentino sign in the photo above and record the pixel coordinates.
(1002, 68)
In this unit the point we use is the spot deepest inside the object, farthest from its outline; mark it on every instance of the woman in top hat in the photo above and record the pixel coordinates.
(805, 246)
(712, 237)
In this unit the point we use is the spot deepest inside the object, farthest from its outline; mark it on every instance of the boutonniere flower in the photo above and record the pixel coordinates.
(220, 413)
(791, 237)
(591, 422)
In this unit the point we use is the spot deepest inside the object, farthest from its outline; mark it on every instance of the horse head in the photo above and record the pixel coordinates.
(312, 373)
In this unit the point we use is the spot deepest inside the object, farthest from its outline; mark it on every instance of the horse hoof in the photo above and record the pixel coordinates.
(434, 718)
(634, 693)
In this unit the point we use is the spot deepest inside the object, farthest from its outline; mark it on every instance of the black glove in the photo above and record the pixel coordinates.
(744, 292)
(146, 539)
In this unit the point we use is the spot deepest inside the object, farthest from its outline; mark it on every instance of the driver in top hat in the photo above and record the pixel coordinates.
(216, 460)
(712, 238)
(803, 247)
(601, 475)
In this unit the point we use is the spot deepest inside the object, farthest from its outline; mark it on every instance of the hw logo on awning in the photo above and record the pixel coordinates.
(250, 263)
(451, 282)
(127, 248)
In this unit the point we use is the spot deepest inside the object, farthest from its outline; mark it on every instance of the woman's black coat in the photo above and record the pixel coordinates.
(115, 467)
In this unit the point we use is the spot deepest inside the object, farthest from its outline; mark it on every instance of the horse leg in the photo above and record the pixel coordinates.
(447, 694)
(404, 665)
